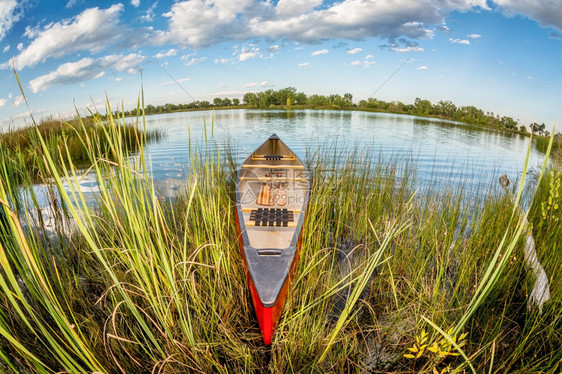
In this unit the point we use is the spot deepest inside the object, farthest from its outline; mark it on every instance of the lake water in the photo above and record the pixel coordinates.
(440, 150)
(443, 153)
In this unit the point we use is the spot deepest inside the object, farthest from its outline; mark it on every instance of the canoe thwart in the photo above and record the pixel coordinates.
(246, 210)
(276, 179)
(270, 157)
(269, 166)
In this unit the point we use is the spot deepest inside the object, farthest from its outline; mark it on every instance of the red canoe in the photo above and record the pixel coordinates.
(272, 191)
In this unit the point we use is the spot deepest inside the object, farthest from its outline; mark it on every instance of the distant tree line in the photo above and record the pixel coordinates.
(289, 97)
(446, 110)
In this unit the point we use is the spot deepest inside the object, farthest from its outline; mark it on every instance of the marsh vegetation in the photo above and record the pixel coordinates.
(390, 277)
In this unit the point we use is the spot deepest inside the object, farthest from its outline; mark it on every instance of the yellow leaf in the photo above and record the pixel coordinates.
(434, 348)
(419, 354)
(413, 349)
(435, 371)
(407, 355)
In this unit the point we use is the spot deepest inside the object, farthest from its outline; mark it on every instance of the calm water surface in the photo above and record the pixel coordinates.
(440, 150)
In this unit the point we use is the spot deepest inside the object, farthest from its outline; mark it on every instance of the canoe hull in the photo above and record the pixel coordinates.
(269, 227)
(268, 318)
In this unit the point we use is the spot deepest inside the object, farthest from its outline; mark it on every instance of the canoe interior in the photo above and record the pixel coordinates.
(271, 223)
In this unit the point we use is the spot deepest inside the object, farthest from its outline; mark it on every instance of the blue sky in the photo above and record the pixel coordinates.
(503, 56)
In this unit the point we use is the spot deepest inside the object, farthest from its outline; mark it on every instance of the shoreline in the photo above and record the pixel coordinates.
(350, 109)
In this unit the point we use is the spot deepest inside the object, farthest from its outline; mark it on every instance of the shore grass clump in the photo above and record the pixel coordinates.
(23, 146)
(141, 284)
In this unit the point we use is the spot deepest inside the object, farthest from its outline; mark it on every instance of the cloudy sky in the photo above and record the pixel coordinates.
(503, 56)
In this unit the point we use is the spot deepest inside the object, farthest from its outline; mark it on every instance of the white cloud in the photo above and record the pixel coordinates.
(444, 29)
(295, 7)
(546, 13)
(171, 52)
(369, 57)
(364, 63)
(354, 51)
(20, 47)
(355, 19)
(274, 48)
(411, 48)
(459, 41)
(474, 36)
(135, 3)
(248, 53)
(189, 61)
(70, 3)
(93, 30)
(222, 60)
(201, 23)
(255, 84)
(421, 68)
(304, 64)
(462, 5)
(319, 52)
(6, 49)
(10, 13)
(86, 69)
(18, 100)
(149, 15)
(3, 102)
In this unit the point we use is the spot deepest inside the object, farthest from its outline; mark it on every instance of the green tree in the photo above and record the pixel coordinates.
(347, 100)
(423, 107)
(445, 108)
(235, 101)
(264, 99)
(300, 98)
(317, 100)
(250, 99)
